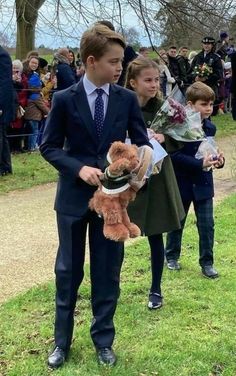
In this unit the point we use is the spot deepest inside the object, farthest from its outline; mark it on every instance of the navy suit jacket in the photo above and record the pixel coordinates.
(7, 104)
(194, 183)
(65, 76)
(70, 141)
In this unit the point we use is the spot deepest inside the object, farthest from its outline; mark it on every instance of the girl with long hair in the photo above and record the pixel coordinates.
(158, 206)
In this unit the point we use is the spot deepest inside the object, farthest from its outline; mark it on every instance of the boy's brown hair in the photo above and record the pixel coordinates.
(199, 91)
(97, 40)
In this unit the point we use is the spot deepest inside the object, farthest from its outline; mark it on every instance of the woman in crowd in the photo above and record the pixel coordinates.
(166, 80)
(16, 127)
(71, 58)
(36, 108)
(61, 67)
(158, 207)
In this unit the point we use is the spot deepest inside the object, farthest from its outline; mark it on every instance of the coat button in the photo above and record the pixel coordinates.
(99, 157)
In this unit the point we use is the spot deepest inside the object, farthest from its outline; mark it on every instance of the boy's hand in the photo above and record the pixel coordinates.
(220, 160)
(90, 175)
(209, 162)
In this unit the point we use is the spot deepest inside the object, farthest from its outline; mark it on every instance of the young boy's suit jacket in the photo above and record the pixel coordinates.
(194, 183)
(70, 123)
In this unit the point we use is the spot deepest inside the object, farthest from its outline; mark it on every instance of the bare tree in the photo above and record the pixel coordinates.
(132, 36)
(26, 17)
(4, 40)
(68, 18)
(185, 22)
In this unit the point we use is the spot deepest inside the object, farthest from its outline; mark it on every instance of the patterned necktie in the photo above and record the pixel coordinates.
(99, 112)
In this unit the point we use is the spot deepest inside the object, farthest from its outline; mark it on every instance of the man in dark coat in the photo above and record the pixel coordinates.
(224, 48)
(184, 66)
(173, 65)
(6, 110)
(209, 57)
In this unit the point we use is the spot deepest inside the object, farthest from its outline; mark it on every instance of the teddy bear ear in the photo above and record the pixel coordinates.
(117, 147)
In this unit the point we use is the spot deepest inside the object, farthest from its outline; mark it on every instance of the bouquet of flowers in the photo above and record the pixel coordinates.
(179, 122)
(202, 70)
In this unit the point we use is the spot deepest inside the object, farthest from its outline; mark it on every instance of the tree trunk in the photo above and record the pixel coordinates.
(26, 16)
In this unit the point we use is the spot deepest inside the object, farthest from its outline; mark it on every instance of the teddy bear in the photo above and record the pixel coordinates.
(118, 187)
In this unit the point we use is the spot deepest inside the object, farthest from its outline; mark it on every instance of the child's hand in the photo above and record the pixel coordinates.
(90, 175)
(208, 161)
(220, 160)
(159, 137)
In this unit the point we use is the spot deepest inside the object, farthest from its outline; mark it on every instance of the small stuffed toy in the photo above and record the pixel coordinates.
(118, 188)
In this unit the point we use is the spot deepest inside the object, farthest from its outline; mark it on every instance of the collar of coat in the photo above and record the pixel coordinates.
(113, 184)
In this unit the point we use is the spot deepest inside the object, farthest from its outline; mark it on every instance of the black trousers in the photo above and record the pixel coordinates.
(5, 155)
(105, 265)
(205, 225)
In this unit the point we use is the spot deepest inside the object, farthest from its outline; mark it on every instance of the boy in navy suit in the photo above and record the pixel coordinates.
(195, 181)
(84, 120)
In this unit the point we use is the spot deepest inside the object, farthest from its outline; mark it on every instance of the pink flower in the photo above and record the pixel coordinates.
(178, 113)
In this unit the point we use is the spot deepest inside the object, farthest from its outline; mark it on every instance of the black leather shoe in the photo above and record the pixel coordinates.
(57, 358)
(106, 356)
(209, 272)
(155, 300)
(173, 265)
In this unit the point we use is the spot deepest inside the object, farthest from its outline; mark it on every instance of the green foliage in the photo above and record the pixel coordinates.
(226, 126)
(29, 169)
(193, 334)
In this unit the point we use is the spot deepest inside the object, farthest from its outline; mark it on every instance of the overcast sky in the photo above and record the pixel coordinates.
(70, 30)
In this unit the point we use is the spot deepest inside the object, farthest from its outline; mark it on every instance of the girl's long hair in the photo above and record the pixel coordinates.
(135, 68)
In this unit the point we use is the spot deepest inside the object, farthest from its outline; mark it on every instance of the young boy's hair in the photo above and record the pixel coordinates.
(199, 91)
(97, 40)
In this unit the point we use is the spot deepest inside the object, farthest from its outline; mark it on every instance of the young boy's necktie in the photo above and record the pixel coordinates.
(99, 112)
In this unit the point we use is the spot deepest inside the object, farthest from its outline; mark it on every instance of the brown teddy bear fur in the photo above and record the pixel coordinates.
(113, 207)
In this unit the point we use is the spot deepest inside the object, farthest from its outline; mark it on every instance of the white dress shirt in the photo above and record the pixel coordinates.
(91, 93)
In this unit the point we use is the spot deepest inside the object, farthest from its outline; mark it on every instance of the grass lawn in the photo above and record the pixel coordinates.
(29, 170)
(32, 169)
(226, 126)
(192, 335)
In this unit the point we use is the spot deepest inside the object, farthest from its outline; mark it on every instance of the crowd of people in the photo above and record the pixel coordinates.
(89, 111)
(35, 80)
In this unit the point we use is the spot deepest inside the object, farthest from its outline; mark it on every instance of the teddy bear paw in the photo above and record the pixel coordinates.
(134, 230)
(118, 232)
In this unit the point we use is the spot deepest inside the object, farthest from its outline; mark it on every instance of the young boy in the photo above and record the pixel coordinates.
(84, 120)
(195, 181)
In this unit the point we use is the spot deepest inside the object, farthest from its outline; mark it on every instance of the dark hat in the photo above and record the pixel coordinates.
(208, 40)
(42, 63)
(223, 35)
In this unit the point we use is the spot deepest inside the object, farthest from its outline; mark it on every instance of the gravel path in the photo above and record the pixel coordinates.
(28, 231)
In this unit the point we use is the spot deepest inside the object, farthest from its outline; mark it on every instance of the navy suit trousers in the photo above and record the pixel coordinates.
(105, 264)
